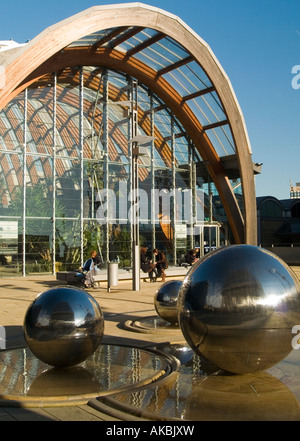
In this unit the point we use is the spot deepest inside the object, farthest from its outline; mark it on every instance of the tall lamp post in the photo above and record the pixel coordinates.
(137, 150)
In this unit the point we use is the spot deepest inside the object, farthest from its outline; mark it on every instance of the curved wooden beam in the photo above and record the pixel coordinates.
(54, 39)
(115, 60)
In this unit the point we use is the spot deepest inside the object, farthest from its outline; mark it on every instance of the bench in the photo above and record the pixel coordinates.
(142, 274)
(184, 264)
(66, 276)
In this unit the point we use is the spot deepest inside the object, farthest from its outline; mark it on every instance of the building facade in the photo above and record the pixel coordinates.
(295, 191)
(279, 227)
(120, 114)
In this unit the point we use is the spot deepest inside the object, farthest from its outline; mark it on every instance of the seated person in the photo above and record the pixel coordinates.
(146, 265)
(90, 266)
(94, 260)
(190, 257)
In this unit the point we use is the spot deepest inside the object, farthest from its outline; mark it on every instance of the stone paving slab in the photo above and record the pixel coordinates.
(119, 305)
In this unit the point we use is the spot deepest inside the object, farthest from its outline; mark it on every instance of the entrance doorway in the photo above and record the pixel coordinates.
(207, 237)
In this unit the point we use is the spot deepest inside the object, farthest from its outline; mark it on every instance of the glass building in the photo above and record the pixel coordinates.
(102, 114)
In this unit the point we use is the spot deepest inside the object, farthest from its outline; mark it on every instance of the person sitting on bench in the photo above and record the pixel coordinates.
(191, 257)
(147, 266)
(90, 267)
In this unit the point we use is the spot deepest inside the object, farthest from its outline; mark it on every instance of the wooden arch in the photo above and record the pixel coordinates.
(48, 52)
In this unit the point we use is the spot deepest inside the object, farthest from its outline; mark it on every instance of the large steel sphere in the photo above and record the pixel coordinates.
(63, 326)
(165, 300)
(237, 307)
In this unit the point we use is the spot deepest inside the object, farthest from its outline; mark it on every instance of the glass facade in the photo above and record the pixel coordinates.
(66, 149)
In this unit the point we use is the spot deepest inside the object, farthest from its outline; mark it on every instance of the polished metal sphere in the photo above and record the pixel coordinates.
(237, 307)
(63, 326)
(165, 300)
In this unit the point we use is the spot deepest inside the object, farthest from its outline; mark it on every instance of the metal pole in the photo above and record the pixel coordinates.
(24, 183)
(130, 158)
(135, 243)
(54, 173)
(152, 215)
(81, 161)
(192, 195)
(106, 150)
(135, 195)
(174, 213)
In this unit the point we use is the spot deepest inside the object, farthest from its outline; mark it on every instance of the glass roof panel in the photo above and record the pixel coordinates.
(141, 37)
(152, 59)
(182, 72)
(169, 50)
(208, 109)
(163, 123)
(144, 99)
(188, 79)
(113, 42)
(194, 77)
(178, 82)
(181, 152)
(162, 54)
(91, 39)
(222, 140)
(158, 160)
(137, 39)
(9, 134)
(118, 80)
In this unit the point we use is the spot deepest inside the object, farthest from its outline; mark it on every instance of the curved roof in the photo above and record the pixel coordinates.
(164, 54)
(263, 199)
(285, 204)
(288, 204)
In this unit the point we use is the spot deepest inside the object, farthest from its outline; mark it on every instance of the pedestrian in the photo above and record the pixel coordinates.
(161, 263)
(147, 266)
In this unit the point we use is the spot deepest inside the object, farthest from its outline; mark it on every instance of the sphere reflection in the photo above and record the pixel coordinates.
(165, 300)
(237, 307)
(63, 326)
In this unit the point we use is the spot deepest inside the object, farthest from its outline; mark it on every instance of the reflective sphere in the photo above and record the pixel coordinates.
(237, 307)
(165, 300)
(182, 352)
(63, 326)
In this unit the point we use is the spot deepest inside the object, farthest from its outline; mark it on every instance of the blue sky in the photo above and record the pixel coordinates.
(256, 41)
